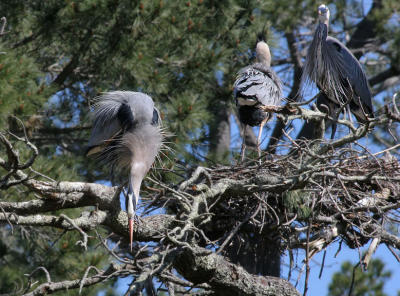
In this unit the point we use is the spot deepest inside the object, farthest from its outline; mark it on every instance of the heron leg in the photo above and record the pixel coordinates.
(112, 174)
(259, 136)
(242, 150)
(335, 116)
(334, 126)
(348, 113)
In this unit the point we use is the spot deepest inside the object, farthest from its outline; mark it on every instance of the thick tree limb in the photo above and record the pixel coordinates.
(227, 278)
(65, 194)
(384, 75)
(87, 221)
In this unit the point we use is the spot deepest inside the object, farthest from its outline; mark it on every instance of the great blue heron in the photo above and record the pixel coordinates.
(337, 73)
(126, 135)
(258, 91)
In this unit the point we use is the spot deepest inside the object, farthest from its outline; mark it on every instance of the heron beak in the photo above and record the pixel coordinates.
(130, 222)
(131, 207)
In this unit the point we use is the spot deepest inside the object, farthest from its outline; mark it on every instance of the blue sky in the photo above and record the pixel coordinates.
(320, 286)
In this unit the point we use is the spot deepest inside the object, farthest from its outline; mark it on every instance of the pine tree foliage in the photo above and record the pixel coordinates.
(22, 90)
(365, 283)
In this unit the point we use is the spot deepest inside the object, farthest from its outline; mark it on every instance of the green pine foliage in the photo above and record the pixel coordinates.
(22, 87)
(26, 248)
(366, 283)
(24, 92)
(170, 49)
(299, 201)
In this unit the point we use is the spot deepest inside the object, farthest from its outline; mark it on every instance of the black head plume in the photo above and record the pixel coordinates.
(263, 35)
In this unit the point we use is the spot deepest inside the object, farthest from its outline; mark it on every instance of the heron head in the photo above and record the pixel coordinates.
(263, 53)
(323, 13)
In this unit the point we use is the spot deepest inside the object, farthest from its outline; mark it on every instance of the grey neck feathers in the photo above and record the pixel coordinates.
(322, 31)
(263, 53)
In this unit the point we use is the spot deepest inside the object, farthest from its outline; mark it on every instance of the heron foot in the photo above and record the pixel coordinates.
(268, 157)
(271, 108)
(259, 154)
(137, 220)
(242, 152)
(243, 149)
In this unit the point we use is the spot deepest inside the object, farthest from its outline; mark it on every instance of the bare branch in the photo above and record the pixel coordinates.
(50, 287)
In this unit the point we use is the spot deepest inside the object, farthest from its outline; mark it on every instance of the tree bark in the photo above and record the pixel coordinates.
(220, 130)
(229, 279)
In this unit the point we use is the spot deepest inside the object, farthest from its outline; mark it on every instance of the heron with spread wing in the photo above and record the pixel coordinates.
(337, 73)
(126, 135)
(258, 92)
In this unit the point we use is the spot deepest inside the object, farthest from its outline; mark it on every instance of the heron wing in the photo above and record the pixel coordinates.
(354, 73)
(112, 116)
(117, 112)
(257, 84)
(141, 104)
(103, 132)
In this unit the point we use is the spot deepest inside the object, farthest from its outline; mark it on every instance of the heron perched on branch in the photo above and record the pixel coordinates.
(127, 136)
(258, 92)
(337, 73)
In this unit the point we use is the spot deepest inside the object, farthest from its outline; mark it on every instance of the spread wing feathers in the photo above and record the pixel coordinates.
(141, 145)
(325, 66)
(356, 76)
(332, 67)
(101, 144)
(257, 84)
(106, 123)
(116, 112)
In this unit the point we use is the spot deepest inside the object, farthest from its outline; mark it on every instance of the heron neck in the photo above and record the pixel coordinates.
(135, 184)
(263, 54)
(137, 173)
(264, 60)
(322, 31)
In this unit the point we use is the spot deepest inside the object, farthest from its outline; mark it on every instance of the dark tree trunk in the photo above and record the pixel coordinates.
(309, 131)
(220, 131)
(365, 31)
(257, 254)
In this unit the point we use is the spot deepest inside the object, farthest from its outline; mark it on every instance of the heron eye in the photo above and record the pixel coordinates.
(155, 118)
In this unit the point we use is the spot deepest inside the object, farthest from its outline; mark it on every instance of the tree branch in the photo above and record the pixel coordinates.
(50, 287)
(227, 278)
